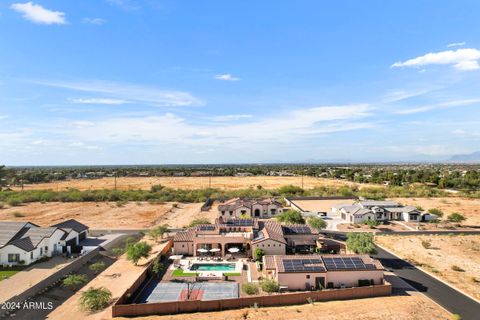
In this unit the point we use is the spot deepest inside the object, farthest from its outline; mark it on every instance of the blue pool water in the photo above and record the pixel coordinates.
(213, 267)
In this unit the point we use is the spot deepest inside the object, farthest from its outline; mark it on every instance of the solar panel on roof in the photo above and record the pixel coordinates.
(346, 263)
(206, 227)
(303, 265)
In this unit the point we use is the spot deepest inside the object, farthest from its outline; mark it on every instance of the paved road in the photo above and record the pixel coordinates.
(449, 298)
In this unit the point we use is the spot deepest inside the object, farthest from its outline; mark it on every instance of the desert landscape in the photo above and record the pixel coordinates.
(453, 258)
(145, 183)
(395, 307)
(109, 215)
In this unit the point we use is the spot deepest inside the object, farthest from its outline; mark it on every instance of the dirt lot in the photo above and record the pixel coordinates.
(146, 183)
(395, 308)
(108, 215)
(321, 205)
(444, 253)
(470, 208)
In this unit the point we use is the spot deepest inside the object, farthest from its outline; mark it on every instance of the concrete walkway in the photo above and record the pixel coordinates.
(29, 277)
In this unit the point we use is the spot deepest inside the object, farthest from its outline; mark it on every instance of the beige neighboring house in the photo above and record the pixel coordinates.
(246, 235)
(362, 211)
(255, 208)
(307, 272)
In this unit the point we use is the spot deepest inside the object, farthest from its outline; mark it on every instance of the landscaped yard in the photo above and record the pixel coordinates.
(7, 273)
(182, 273)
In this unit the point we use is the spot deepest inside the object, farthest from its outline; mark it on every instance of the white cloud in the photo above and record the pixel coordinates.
(2, 117)
(230, 117)
(97, 21)
(448, 104)
(459, 132)
(456, 44)
(461, 59)
(172, 130)
(98, 101)
(226, 77)
(130, 92)
(38, 14)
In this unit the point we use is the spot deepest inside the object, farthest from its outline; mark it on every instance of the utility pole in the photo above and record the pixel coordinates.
(210, 180)
(302, 180)
(115, 181)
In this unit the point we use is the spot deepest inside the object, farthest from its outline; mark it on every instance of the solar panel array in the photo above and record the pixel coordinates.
(347, 263)
(303, 265)
(296, 230)
(240, 222)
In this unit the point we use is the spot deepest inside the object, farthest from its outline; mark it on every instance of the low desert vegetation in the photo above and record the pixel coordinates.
(317, 223)
(158, 231)
(198, 221)
(95, 299)
(290, 217)
(97, 266)
(250, 288)
(456, 217)
(136, 251)
(74, 281)
(426, 244)
(439, 213)
(361, 243)
(269, 286)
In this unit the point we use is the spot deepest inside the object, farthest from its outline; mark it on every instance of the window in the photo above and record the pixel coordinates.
(41, 251)
(46, 249)
(269, 245)
(308, 276)
(13, 257)
(223, 212)
(31, 255)
(183, 246)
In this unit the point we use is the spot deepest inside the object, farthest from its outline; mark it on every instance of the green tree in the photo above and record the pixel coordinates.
(250, 288)
(361, 242)
(95, 299)
(290, 217)
(456, 217)
(97, 266)
(137, 251)
(74, 281)
(317, 223)
(3, 174)
(258, 254)
(158, 231)
(437, 212)
(270, 286)
(197, 221)
(157, 267)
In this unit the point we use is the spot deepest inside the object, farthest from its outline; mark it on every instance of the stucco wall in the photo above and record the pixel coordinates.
(270, 247)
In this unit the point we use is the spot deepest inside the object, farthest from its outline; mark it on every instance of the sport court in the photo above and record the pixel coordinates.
(178, 291)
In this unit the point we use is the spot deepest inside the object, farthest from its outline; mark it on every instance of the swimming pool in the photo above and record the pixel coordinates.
(213, 267)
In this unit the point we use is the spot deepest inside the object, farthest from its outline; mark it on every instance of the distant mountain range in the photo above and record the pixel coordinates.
(471, 157)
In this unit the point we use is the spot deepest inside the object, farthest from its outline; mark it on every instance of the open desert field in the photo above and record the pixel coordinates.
(444, 253)
(394, 308)
(321, 205)
(470, 208)
(267, 182)
(109, 215)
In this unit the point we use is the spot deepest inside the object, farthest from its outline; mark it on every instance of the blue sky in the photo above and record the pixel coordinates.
(157, 82)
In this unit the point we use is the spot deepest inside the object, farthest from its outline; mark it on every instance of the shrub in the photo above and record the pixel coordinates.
(457, 268)
(118, 251)
(250, 288)
(456, 217)
(74, 281)
(371, 223)
(18, 214)
(196, 222)
(157, 267)
(317, 223)
(137, 251)
(258, 254)
(2, 205)
(291, 217)
(426, 244)
(95, 299)
(291, 190)
(437, 212)
(270, 285)
(14, 202)
(456, 316)
(361, 242)
(97, 266)
(158, 231)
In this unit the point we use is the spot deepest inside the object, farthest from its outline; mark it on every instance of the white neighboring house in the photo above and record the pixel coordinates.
(75, 233)
(22, 243)
(362, 211)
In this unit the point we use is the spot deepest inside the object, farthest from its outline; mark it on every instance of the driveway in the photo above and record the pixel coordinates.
(444, 295)
(332, 220)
